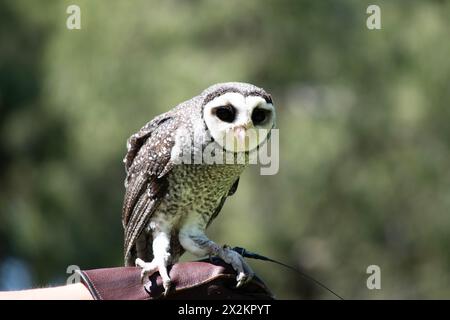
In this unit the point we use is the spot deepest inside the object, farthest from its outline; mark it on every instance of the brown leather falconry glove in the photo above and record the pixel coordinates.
(206, 279)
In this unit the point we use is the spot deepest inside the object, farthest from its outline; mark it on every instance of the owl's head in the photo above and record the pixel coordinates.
(239, 116)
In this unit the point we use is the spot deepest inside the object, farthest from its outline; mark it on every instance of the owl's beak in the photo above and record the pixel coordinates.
(240, 133)
(244, 136)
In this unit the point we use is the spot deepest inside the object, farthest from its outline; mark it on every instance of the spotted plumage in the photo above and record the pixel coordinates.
(169, 202)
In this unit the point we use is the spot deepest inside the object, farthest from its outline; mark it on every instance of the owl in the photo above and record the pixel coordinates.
(171, 197)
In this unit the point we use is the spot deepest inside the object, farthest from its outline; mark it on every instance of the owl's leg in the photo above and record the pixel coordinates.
(197, 243)
(161, 254)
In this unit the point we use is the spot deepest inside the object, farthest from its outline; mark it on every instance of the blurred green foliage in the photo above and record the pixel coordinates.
(364, 128)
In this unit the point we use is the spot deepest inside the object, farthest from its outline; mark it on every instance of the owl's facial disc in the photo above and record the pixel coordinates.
(238, 123)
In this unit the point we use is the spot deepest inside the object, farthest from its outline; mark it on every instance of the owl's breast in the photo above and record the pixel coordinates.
(195, 191)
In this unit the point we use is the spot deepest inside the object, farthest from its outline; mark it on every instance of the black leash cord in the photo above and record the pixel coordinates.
(243, 252)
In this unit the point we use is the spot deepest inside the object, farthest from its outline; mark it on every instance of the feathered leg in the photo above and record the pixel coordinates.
(161, 259)
(196, 242)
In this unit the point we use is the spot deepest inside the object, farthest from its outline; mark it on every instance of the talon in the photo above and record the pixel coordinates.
(167, 284)
(243, 278)
(139, 263)
(147, 268)
(240, 282)
(245, 273)
(142, 276)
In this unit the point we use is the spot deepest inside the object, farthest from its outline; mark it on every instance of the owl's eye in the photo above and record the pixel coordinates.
(226, 113)
(259, 116)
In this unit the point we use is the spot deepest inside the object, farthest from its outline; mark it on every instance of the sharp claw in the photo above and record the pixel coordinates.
(167, 286)
(147, 268)
(245, 273)
(138, 262)
(144, 275)
(242, 279)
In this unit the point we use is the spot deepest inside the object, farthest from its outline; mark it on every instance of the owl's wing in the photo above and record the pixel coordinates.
(147, 162)
(222, 201)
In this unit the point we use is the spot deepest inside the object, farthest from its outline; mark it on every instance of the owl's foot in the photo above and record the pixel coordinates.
(148, 268)
(245, 273)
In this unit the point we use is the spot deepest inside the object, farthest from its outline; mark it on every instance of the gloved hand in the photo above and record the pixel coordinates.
(206, 279)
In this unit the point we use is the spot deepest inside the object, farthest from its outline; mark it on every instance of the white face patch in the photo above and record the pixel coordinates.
(246, 125)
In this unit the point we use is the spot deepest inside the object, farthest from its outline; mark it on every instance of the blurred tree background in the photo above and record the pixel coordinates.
(364, 131)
